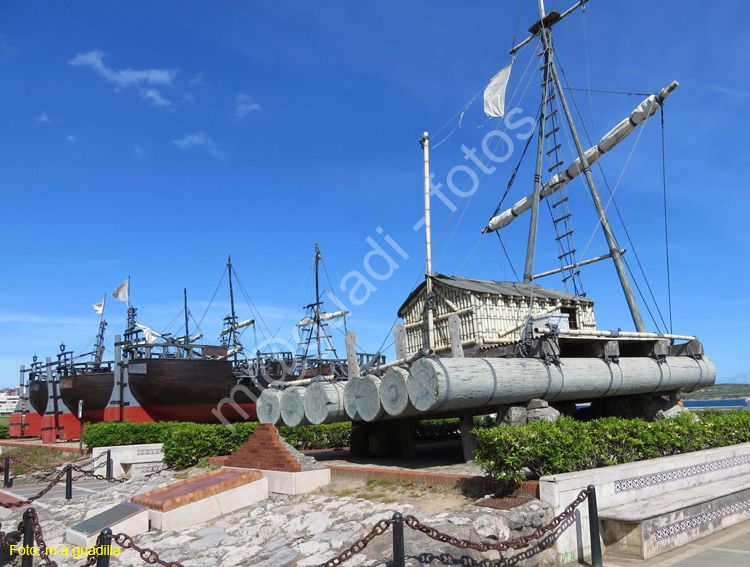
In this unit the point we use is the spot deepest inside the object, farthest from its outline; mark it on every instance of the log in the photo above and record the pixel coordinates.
(367, 398)
(394, 395)
(324, 403)
(457, 384)
(268, 406)
(293, 407)
(350, 392)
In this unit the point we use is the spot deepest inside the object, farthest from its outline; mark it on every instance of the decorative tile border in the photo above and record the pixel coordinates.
(149, 452)
(637, 482)
(675, 528)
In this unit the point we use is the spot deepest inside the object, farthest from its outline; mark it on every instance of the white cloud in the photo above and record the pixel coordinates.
(201, 140)
(71, 138)
(139, 152)
(143, 80)
(42, 118)
(244, 105)
(197, 80)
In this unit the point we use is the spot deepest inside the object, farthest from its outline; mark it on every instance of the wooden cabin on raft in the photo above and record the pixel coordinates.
(492, 314)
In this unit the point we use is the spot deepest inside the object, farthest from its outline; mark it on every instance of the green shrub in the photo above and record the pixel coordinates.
(567, 445)
(108, 433)
(4, 431)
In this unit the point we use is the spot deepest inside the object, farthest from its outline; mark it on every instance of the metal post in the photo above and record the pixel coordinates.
(6, 477)
(27, 559)
(68, 482)
(109, 463)
(614, 249)
(398, 540)
(105, 540)
(596, 548)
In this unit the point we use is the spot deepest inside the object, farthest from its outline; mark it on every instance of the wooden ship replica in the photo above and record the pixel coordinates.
(472, 346)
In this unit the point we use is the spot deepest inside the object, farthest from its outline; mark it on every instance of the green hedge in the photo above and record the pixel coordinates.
(567, 445)
(4, 431)
(185, 443)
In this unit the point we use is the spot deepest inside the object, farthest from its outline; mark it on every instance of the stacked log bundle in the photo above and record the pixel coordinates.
(350, 394)
(324, 402)
(394, 395)
(268, 406)
(367, 398)
(293, 407)
(468, 383)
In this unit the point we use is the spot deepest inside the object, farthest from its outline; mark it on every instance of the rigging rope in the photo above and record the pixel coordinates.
(617, 208)
(666, 228)
(476, 166)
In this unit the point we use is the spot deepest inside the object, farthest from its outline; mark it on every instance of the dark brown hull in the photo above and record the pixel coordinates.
(93, 388)
(38, 395)
(188, 389)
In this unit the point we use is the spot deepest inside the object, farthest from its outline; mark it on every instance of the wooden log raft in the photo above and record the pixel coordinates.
(456, 384)
(367, 398)
(293, 407)
(350, 393)
(394, 395)
(268, 406)
(324, 402)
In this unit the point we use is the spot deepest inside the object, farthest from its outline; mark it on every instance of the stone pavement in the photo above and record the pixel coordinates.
(727, 548)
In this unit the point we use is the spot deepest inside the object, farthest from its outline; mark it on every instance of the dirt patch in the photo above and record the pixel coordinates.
(431, 499)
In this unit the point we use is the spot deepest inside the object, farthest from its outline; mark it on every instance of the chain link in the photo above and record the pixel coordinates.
(39, 538)
(379, 529)
(520, 542)
(148, 555)
(92, 474)
(382, 526)
(29, 500)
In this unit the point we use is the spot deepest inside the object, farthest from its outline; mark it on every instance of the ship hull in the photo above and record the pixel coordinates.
(94, 389)
(38, 395)
(188, 389)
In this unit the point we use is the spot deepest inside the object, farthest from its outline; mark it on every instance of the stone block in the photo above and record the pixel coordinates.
(542, 414)
(536, 404)
(515, 416)
(211, 507)
(126, 517)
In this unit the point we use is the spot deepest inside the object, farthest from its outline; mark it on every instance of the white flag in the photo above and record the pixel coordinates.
(99, 307)
(122, 293)
(148, 334)
(494, 94)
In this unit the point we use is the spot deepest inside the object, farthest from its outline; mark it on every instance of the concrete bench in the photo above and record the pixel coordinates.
(649, 507)
(134, 461)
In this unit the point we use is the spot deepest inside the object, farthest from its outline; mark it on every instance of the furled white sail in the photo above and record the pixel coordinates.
(237, 326)
(494, 94)
(647, 108)
(307, 321)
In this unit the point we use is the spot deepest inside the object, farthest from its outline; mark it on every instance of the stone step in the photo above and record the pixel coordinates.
(203, 497)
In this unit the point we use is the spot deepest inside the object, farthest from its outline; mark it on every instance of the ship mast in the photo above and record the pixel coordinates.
(187, 330)
(317, 301)
(232, 317)
(545, 32)
(430, 297)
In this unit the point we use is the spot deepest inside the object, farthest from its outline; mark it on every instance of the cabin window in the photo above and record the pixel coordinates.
(571, 313)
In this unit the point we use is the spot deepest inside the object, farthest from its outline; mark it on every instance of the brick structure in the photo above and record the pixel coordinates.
(264, 450)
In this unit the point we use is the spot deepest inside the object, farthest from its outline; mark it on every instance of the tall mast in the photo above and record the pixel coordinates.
(187, 331)
(429, 299)
(614, 249)
(233, 316)
(317, 301)
(531, 249)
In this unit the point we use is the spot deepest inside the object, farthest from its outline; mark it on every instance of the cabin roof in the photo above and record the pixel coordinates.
(513, 289)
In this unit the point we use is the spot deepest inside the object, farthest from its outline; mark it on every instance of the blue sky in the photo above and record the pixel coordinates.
(152, 140)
